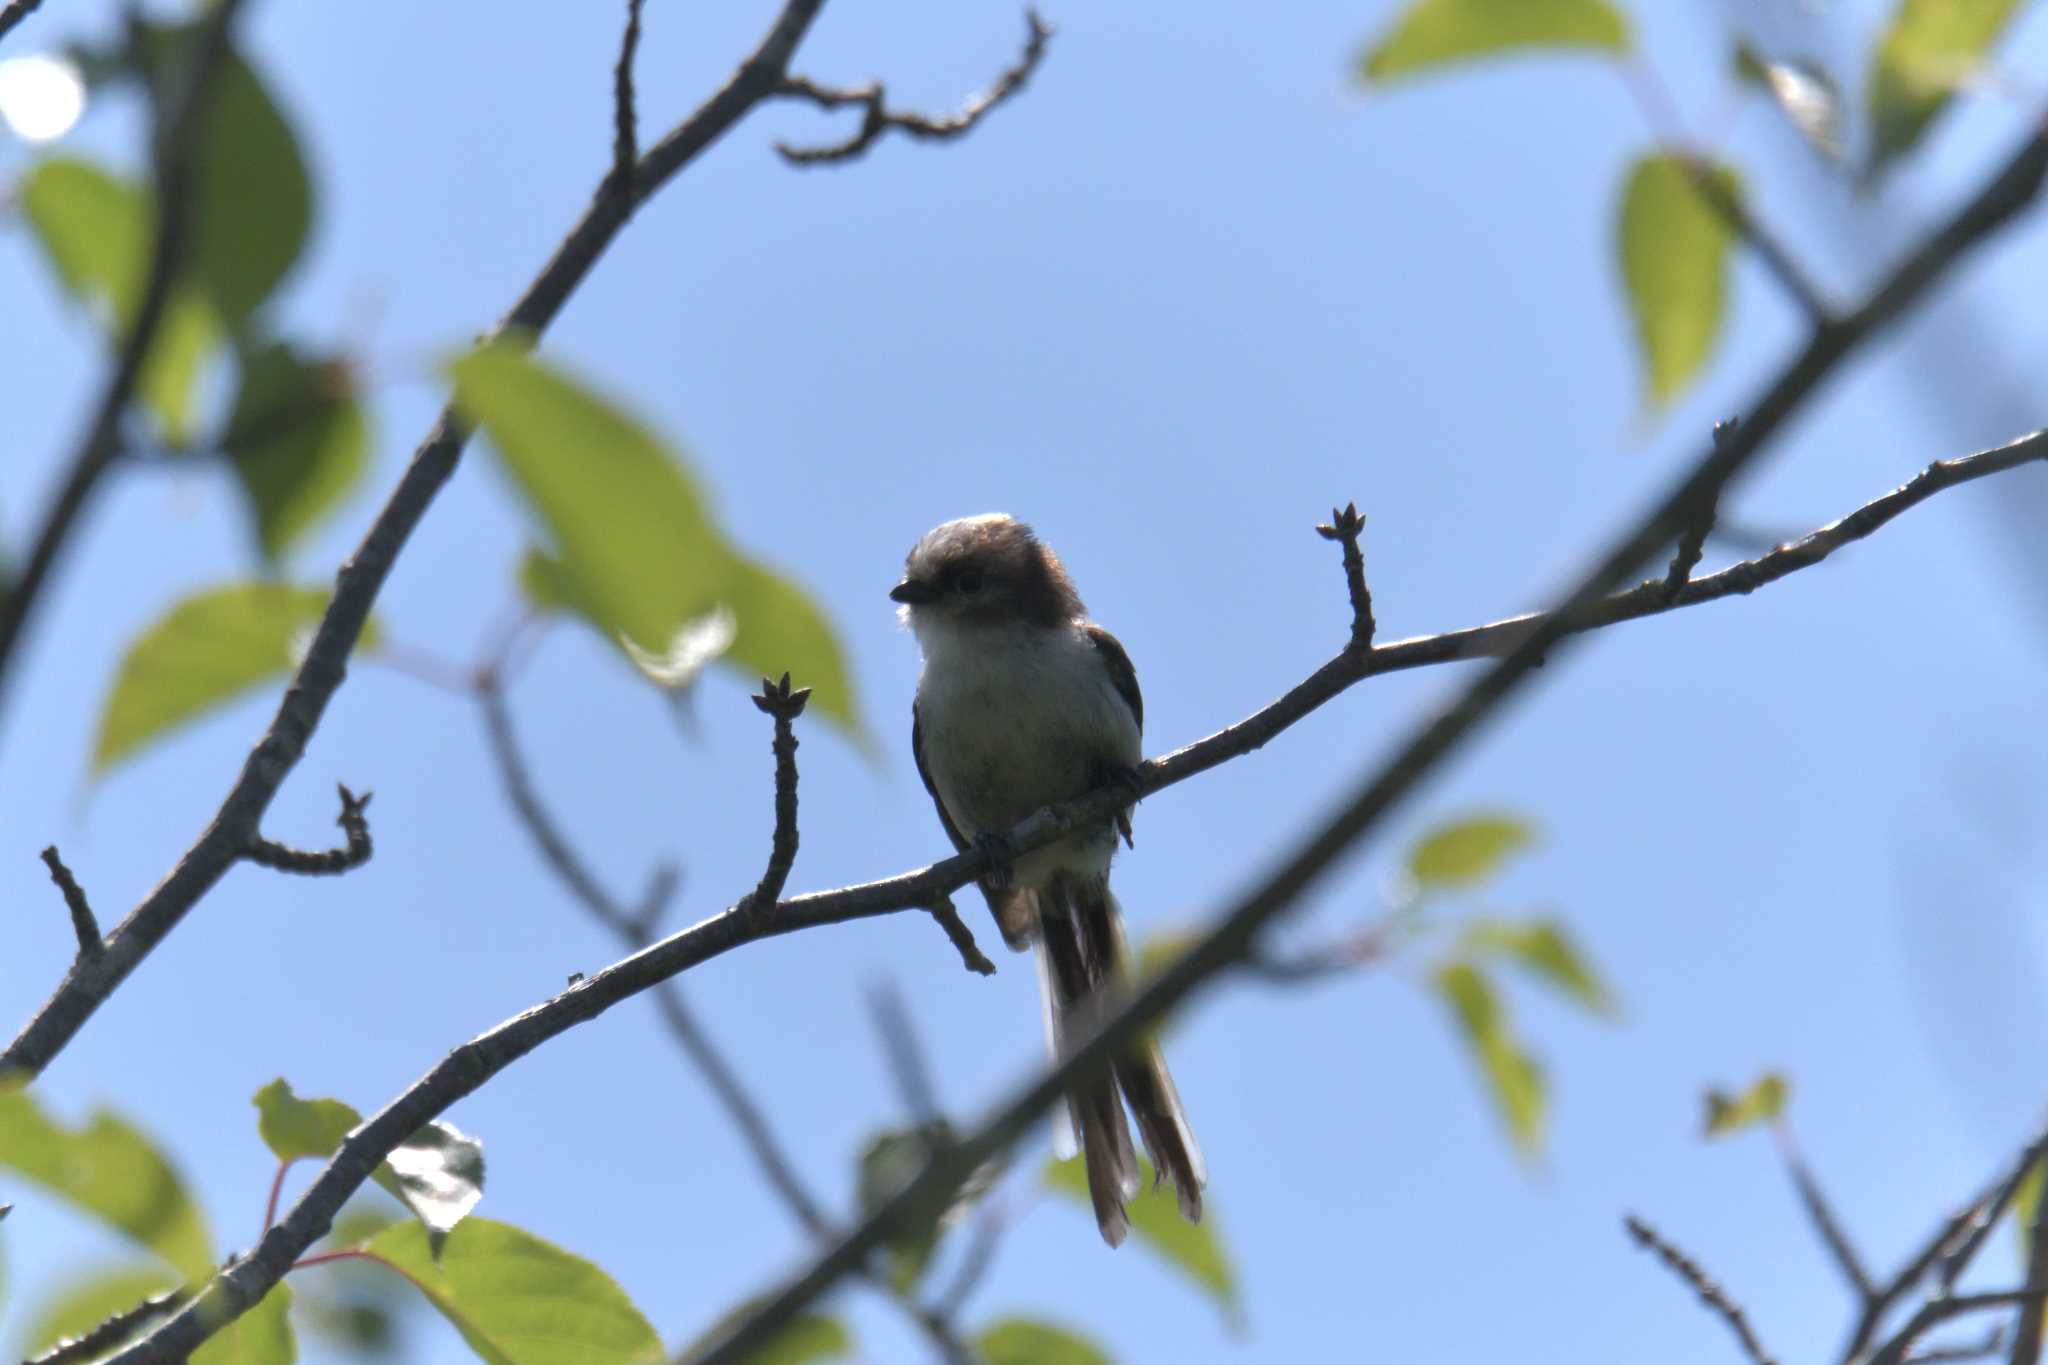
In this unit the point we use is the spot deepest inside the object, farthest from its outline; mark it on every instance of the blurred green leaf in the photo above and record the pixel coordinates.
(1762, 1102)
(108, 1169)
(81, 1303)
(293, 1128)
(206, 651)
(97, 230)
(1804, 92)
(892, 1159)
(809, 1337)
(1931, 48)
(1467, 850)
(299, 439)
(439, 1173)
(1433, 33)
(1020, 1341)
(1545, 950)
(1194, 1249)
(1513, 1078)
(1674, 264)
(2025, 1200)
(518, 1300)
(252, 203)
(261, 1336)
(632, 545)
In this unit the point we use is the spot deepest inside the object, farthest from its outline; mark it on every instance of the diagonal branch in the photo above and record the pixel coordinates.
(84, 927)
(1710, 1293)
(15, 12)
(879, 118)
(176, 137)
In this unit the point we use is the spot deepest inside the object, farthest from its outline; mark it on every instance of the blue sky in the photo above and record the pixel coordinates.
(1169, 305)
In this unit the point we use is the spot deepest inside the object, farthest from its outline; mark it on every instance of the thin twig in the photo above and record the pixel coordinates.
(625, 116)
(175, 140)
(1346, 526)
(1693, 544)
(1937, 1311)
(1791, 276)
(83, 926)
(778, 701)
(975, 1262)
(15, 12)
(1990, 1210)
(1710, 1293)
(879, 118)
(944, 912)
(1992, 1344)
(1823, 1216)
(115, 1330)
(326, 862)
(906, 1059)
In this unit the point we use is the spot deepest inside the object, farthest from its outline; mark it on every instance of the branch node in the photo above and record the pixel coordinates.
(1346, 525)
(971, 956)
(1711, 1294)
(878, 118)
(779, 700)
(326, 862)
(90, 944)
(1693, 544)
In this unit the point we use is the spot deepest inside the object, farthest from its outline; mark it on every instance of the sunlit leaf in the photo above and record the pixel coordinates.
(1514, 1079)
(1930, 50)
(1432, 33)
(1021, 1341)
(78, 1305)
(299, 439)
(97, 229)
(1804, 92)
(1194, 1249)
(110, 1170)
(631, 543)
(252, 204)
(695, 645)
(1762, 1102)
(518, 1300)
(293, 1128)
(206, 651)
(808, 1337)
(1674, 249)
(261, 1336)
(1467, 850)
(439, 1173)
(1545, 950)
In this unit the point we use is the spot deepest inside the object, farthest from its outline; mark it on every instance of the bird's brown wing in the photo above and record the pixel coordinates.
(1015, 909)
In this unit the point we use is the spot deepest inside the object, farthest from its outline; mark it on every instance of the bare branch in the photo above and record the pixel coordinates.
(906, 1059)
(15, 12)
(777, 700)
(1791, 276)
(83, 925)
(175, 141)
(980, 1255)
(1992, 1344)
(322, 862)
(1346, 526)
(111, 1333)
(1693, 544)
(625, 117)
(1711, 1294)
(879, 118)
(1937, 1311)
(942, 909)
(1822, 1213)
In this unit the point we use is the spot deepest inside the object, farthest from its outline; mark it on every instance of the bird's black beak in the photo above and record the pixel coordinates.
(913, 592)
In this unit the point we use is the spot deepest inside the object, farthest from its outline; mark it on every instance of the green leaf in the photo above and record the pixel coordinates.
(97, 230)
(81, 1304)
(299, 439)
(1674, 263)
(518, 1300)
(252, 203)
(208, 650)
(2025, 1200)
(1545, 950)
(632, 546)
(892, 1159)
(261, 1336)
(1762, 1102)
(110, 1170)
(293, 1128)
(809, 1337)
(439, 1173)
(1194, 1249)
(1463, 852)
(1434, 33)
(1804, 92)
(1020, 1341)
(1513, 1078)
(1930, 50)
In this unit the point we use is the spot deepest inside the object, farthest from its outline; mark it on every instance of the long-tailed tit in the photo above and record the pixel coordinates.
(1024, 702)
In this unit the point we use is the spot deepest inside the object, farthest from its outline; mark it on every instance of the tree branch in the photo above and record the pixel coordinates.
(322, 862)
(110, 1333)
(625, 118)
(83, 926)
(1347, 526)
(15, 12)
(175, 137)
(1815, 1202)
(1710, 1293)
(879, 118)
(777, 700)
(321, 672)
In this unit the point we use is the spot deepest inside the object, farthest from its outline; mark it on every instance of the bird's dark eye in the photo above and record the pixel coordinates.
(969, 582)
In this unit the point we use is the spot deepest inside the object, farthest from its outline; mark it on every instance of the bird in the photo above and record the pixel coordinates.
(1023, 702)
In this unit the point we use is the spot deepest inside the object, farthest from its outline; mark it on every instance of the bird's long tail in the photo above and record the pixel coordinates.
(1085, 963)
